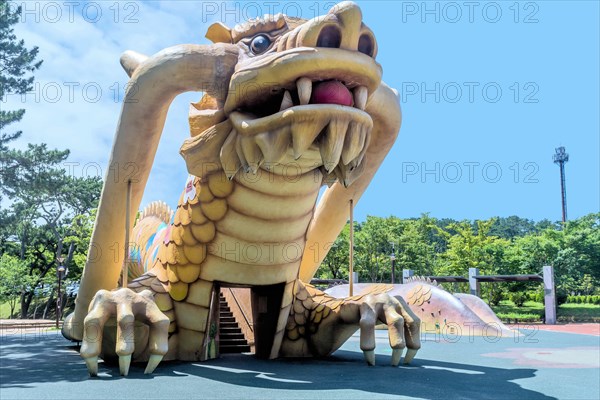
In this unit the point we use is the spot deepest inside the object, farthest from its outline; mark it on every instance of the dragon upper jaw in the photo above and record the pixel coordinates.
(258, 79)
(273, 112)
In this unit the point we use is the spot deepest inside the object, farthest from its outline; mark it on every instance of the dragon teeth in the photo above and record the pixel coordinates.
(240, 153)
(229, 159)
(347, 174)
(274, 144)
(304, 134)
(304, 86)
(353, 144)
(286, 102)
(366, 145)
(252, 153)
(333, 143)
(360, 97)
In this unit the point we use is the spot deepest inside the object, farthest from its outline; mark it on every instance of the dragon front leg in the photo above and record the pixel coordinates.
(319, 324)
(126, 307)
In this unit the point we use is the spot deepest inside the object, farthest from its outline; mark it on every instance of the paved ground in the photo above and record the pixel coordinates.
(540, 364)
(584, 329)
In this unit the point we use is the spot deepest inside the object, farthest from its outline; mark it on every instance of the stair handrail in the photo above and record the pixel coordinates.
(241, 310)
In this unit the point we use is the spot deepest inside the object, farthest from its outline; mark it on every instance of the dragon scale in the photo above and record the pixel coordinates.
(184, 258)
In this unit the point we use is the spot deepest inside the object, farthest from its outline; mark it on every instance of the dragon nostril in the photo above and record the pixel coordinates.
(366, 45)
(330, 36)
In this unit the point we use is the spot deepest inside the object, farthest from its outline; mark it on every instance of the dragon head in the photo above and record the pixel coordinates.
(297, 93)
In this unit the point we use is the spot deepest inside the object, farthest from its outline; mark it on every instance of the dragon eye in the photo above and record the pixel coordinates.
(260, 44)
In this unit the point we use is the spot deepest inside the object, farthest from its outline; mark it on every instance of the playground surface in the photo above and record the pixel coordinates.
(561, 362)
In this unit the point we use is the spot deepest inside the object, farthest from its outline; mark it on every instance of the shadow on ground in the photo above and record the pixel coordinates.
(347, 370)
(28, 363)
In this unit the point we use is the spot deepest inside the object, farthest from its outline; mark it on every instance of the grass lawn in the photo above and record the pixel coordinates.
(579, 312)
(534, 312)
(5, 310)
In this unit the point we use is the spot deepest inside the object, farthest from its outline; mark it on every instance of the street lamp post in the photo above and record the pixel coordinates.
(393, 260)
(560, 158)
(60, 272)
(351, 251)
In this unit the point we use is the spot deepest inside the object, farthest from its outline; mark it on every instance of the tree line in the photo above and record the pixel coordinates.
(497, 246)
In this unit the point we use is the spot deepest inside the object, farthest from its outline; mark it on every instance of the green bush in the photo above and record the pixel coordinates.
(585, 299)
(532, 296)
(496, 297)
(518, 298)
(540, 297)
(561, 297)
(518, 317)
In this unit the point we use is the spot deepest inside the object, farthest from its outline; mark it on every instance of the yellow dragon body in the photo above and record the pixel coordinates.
(290, 105)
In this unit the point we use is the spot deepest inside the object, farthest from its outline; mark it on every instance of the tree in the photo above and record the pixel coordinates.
(16, 63)
(46, 206)
(54, 224)
(583, 236)
(335, 264)
(417, 243)
(472, 247)
(512, 226)
(14, 280)
(372, 245)
(446, 247)
(467, 248)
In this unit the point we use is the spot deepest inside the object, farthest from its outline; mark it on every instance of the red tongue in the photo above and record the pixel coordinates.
(331, 92)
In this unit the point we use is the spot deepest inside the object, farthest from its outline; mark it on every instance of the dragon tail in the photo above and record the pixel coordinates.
(148, 233)
(423, 279)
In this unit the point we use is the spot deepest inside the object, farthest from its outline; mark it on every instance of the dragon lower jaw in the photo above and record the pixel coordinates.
(311, 136)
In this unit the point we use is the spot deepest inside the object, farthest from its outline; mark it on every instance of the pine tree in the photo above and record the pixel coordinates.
(16, 64)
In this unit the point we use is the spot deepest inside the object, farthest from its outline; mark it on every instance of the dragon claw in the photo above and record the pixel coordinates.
(153, 362)
(124, 362)
(92, 365)
(396, 356)
(410, 354)
(369, 357)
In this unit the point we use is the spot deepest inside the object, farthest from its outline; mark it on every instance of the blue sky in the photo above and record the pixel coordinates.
(488, 89)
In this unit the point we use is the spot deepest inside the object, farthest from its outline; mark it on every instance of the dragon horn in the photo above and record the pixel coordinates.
(131, 60)
(154, 83)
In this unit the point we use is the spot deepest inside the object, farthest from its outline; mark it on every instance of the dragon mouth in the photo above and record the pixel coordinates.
(308, 91)
(318, 118)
